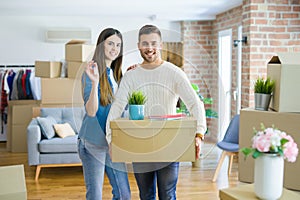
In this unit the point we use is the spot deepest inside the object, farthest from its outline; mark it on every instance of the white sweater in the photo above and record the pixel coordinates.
(162, 87)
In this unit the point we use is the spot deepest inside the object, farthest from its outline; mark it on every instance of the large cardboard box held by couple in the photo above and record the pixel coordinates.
(12, 183)
(153, 140)
(285, 70)
(287, 122)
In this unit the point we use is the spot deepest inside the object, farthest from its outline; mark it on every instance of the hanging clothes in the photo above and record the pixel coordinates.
(35, 85)
(27, 84)
(9, 80)
(4, 103)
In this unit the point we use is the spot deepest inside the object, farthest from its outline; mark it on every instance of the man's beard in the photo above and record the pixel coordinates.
(148, 59)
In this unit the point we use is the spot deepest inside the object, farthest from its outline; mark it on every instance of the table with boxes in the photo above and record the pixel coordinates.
(246, 192)
(285, 115)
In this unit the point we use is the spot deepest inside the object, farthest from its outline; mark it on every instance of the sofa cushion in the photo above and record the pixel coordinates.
(56, 113)
(74, 117)
(63, 130)
(46, 124)
(71, 115)
(59, 145)
(59, 158)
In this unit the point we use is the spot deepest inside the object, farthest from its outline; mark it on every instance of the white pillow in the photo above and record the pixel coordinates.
(63, 130)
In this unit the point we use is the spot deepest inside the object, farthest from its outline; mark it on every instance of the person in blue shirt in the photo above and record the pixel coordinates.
(99, 83)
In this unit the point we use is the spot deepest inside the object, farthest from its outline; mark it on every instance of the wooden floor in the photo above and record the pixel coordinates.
(67, 182)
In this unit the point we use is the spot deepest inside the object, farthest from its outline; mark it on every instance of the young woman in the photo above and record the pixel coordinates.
(99, 83)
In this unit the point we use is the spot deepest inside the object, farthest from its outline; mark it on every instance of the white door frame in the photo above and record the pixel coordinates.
(238, 92)
(225, 80)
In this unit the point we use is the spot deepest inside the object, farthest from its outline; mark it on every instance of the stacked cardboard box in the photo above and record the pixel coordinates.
(288, 122)
(61, 91)
(77, 53)
(19, 116)
(285, 115)
(285, 70)
(66, 91)
(55, 92)
(47, 69)
(75, 69)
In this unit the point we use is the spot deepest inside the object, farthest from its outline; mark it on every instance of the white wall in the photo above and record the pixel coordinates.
(22, 38)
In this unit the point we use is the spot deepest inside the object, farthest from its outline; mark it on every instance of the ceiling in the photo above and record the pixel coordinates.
(171, 10)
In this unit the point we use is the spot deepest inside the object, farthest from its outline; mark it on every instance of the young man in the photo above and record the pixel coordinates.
(163, 83)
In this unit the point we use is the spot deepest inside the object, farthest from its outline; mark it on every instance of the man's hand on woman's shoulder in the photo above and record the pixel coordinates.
(132, 67)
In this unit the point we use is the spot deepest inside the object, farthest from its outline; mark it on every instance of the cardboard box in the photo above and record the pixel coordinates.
(61, 91)
(153, 140)
(21, 117)
(10, 119)
(285, 70)
(12, 183)
(288, 122)
(77, 50)
(47, 69)
(76, 69)
(19, 138)
(22, 114)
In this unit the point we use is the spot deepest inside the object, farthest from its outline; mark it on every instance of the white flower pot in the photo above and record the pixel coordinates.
(268, 176)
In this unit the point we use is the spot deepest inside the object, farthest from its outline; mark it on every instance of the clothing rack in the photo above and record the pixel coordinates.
(15, 66)
(4, 100)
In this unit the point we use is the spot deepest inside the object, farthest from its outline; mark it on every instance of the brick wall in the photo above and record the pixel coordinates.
(201, 56)
(271, 26)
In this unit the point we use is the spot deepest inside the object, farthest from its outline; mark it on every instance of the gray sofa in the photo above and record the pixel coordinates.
(45, 147)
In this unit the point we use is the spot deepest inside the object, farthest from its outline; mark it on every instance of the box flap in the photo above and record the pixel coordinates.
(286, 58)
(274, 60)
(71, 42)
(124, 123)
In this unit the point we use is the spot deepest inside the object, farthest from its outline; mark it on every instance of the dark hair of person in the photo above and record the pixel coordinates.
(148, 29)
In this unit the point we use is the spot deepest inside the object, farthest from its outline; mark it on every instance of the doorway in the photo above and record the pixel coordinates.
(238, 91)
(225, 80)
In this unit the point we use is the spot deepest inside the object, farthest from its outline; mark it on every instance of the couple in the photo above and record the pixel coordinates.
(105, 97)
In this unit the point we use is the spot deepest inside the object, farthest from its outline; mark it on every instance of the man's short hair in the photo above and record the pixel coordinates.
(148, 29)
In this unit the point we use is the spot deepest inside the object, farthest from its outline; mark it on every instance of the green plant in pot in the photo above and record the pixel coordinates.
(263, 90)
(136, 102)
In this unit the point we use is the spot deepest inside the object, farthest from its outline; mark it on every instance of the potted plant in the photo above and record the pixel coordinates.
(263, 90)
(136, 101)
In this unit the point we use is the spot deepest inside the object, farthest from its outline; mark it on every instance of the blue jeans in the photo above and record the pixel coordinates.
(96, 160)
(166, 176)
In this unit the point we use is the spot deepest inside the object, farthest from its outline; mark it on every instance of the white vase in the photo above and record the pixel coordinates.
(268, 176)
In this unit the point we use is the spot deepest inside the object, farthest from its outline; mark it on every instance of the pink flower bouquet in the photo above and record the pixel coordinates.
(271, 140)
